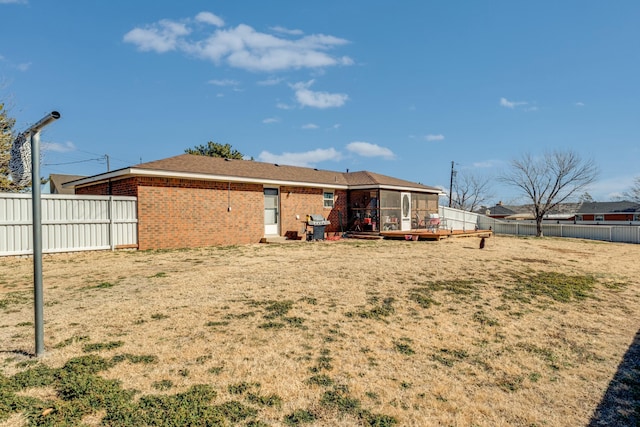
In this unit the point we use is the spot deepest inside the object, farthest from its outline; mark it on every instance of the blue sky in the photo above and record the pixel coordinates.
(398, 88)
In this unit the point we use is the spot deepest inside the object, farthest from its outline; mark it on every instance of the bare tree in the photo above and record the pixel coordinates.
(470, 191)
(6, 141)
(586, 198)
(633, 193)
(550, 180)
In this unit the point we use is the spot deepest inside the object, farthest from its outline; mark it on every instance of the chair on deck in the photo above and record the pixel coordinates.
(434, 223)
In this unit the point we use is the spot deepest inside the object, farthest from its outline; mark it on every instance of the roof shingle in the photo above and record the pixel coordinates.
(217, 167)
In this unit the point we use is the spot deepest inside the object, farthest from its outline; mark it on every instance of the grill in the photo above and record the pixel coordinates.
(317, 224)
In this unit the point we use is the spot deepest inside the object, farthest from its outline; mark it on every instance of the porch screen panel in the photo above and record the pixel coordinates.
(390, 209)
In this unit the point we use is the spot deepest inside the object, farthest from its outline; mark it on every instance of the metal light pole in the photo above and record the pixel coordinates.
(38, 295)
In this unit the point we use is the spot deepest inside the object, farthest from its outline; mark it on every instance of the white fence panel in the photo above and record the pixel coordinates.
(69, 223)
(458, 219)
(610, 233)
(625, 234)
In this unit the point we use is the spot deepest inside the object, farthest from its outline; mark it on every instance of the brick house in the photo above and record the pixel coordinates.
(195, 201)
(603, 212)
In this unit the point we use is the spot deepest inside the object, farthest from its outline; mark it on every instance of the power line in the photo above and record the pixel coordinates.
(127, 162)
(71, 163)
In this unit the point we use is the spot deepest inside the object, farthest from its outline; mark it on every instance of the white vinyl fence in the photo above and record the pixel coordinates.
(609, 233)
(457, 219)
(69, 223)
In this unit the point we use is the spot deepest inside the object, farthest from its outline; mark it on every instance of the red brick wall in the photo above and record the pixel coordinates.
(177, 213)
(610, 217)
(183, 213)
(121, 187)
(303, 201)
(339, 205)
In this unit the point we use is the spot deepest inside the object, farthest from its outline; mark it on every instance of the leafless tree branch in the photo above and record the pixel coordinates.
(550, 180)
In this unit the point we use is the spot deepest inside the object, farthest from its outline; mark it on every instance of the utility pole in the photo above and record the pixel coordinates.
(106, 157)
(453, 173)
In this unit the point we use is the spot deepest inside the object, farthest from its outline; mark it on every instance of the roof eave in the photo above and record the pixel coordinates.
(122, 173)
(395, 187)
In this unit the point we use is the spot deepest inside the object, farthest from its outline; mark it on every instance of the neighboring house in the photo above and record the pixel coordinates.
(195, 201)
(624, 211)
(57, 180)
(564, 211)
(499, 211)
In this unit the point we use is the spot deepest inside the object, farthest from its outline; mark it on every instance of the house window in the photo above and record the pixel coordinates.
(328, 199)
(578, 217)
(636, 217)
(599, 218)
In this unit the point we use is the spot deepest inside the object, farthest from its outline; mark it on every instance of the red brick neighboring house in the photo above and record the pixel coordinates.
(196, 201)
(603, 212)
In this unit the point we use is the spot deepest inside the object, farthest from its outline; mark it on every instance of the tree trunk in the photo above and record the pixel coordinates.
(539, 227)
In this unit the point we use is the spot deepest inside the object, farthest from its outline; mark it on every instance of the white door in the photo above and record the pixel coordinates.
(271, 212)
(406, 211)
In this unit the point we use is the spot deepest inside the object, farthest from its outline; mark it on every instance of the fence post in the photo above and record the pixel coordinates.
(112, 234)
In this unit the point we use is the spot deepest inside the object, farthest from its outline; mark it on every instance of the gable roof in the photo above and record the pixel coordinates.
(498, 210)
(190, 166)
(216, 166)
(563, 210)
(57, 180)
(609, 207)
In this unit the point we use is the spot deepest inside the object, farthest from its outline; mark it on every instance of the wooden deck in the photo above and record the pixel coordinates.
(425, 234)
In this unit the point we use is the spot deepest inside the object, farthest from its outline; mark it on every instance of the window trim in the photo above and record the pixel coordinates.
(325, 199)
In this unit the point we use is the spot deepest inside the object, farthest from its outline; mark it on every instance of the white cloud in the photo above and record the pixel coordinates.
(432, 137)
(224, 82)
(579, 104)
(210, 18)
(345, 60)
(270, 82)
(305, 159)
(270, 120)
(308, 98)
(279, 29)
(488, 164)
(610, 188)
(240, 46)
(310, 126)
(161, 37)
(366, 149)
(58, 147)
(283, 106)
(504, 102)
(615, 196)
(21, 67)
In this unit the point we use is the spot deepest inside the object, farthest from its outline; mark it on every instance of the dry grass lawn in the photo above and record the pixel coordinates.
(526, 332)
